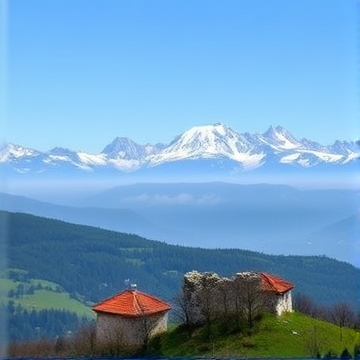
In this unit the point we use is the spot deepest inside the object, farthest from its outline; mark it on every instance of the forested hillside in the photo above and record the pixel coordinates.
(267, 218)
(92, 263)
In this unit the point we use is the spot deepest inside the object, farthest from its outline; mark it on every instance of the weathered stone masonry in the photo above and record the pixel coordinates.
(206, 294)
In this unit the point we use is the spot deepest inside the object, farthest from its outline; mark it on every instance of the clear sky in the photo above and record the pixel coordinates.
(79, 73)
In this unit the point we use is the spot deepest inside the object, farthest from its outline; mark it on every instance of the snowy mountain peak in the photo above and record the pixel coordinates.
(279, 138)
(12, 151)
(206, 132)
(124, 148)
(118, 143)
(209, 141)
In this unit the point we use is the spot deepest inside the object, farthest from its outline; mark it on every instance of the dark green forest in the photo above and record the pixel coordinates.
(91, 263)
(24, 324)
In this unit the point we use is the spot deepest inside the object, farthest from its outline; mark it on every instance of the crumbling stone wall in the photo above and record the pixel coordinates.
(200, 294)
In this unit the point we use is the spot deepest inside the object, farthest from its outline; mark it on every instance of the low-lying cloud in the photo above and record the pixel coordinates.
(178, 199)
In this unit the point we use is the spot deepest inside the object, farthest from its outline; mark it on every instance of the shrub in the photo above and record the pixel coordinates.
(345, 354)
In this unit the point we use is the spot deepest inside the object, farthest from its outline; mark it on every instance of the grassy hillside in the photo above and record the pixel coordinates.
(38, 308)
(38, 294)
(291, 335)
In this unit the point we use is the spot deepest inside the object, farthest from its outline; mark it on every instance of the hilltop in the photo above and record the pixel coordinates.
(289, 336)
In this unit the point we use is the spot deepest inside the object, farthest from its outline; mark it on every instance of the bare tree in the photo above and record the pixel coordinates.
(251, 298)
(84, 342)
(182, 308)
(305, 305)
(342, 315)
(236, 286)
(147, 322)
(37, 348)
(207, 301)
(225, 295)
(202, 304)
(147, 326)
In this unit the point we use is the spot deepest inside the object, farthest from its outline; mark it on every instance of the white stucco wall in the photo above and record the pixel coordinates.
(284, 303)
(131, 331)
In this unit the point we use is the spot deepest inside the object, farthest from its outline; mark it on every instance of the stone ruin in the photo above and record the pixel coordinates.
(207, 294)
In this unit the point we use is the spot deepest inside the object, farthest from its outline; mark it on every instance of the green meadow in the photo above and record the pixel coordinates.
(39, 294)
(291, 335)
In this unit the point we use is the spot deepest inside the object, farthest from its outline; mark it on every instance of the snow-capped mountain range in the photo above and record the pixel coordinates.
(214, 144)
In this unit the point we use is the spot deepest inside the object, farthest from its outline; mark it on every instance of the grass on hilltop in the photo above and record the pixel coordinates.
(291, 335)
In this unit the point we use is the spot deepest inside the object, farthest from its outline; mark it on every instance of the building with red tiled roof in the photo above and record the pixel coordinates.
(278, 293)
(275, 284)
(130, 318)
(132, 303)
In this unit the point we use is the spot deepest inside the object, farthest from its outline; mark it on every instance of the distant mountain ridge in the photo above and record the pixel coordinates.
(214, 145)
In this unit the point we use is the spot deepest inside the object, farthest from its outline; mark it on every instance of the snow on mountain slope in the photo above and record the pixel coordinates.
(124, 148)
(279, 139)
(96, 160)
(308, 158)
(79, 160)
(306, 153)
(125, 154)
(211, 142)
(11, 152)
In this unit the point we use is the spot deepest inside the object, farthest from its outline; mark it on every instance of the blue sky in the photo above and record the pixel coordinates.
(79, 73)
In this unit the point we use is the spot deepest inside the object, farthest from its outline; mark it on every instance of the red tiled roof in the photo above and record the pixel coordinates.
(275, 284)
(132, 303)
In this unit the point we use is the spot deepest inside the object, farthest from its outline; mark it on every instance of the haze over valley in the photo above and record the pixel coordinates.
(274, 219)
